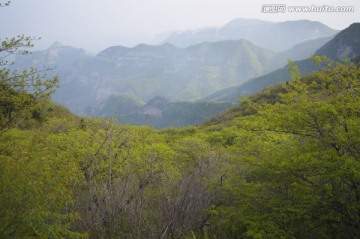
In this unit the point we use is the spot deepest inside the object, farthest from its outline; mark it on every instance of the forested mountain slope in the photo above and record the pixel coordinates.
(344, 46)
(282, 164)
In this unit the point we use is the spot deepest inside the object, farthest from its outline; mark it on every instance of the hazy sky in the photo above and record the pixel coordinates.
(95, 25)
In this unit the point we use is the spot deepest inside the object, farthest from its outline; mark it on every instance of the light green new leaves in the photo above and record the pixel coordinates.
(299, 160)
(36, 185)
(20, 91)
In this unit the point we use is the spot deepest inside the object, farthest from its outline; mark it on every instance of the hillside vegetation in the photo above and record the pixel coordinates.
(282, 164)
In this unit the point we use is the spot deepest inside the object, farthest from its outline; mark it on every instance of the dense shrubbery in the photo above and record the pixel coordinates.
(284, 164)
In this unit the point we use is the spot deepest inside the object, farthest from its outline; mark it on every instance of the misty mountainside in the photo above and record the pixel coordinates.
(159, 112)
(344, 46)
(81, 83)
(177, 74)
(298, 52)
(276, 36)
(180, 74)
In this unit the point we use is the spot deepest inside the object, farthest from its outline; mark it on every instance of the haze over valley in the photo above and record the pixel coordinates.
(207, 62)
(157, 119)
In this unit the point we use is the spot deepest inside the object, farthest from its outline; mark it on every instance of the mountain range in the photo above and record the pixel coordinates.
(209, 75)
(276, 36)
(344, 46)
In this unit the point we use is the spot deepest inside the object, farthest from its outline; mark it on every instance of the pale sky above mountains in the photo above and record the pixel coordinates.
(95, 25)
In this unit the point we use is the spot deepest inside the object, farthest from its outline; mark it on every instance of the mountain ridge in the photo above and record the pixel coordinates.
(148, 71)
(262, 33)
(195, 74)
(344, 45)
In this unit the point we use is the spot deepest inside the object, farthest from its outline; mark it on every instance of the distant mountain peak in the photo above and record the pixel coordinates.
(157, 101)
(246, 22)
(142, 46)
(276, 36)
(167, 45)
(56, 45)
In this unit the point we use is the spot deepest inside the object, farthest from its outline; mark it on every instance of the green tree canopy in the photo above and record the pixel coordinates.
(301, 178)
(20, 92)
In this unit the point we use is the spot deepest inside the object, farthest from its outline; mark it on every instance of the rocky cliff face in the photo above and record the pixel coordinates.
(345, 44)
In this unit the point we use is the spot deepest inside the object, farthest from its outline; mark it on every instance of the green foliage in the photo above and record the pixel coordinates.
(36, 187)
(300, 161)
(20, 92)
(282, 164)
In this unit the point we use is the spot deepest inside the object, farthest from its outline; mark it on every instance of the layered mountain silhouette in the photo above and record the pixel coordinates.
(344, 46)
(124, 80)
(145, 71)
(276, 36)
